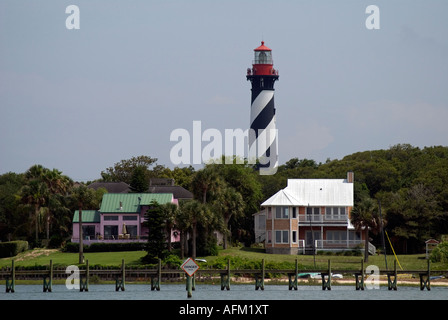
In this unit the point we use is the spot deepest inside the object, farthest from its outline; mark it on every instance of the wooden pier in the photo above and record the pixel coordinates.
(155, 276)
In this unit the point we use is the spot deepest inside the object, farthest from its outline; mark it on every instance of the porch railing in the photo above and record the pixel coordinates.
(339, 244)
(322, 218)
(110, 239)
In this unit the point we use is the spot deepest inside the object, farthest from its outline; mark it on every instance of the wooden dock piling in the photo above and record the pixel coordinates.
(392, 282)
(189, 286)
(359, 285)
(156, 279)
(425, 278)
(225, 278)
(48, 279)
(293, 278)
(84, 280)
(259, 279)
(120, 283)
(326, 283)
(11, 283)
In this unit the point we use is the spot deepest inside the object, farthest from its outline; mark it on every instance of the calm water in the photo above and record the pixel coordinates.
(213, 292)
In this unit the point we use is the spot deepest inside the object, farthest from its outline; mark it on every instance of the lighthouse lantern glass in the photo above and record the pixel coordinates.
(263, 57)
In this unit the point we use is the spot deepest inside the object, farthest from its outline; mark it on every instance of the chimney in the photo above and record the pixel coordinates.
(350, 177)
(121, 205)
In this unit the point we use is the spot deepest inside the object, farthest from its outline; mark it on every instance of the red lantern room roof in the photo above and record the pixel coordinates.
(262, 47)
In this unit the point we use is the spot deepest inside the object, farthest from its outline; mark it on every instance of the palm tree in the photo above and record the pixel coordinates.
(61, 214)
(170, 213)
(194, 213)
(58, 184)
(204, 181)
(36, 171)
(364, 216)
(35, 195)
(183, 223)
(82, 197)
(229, 203)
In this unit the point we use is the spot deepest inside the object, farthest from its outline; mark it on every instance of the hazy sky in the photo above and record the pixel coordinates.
(82, 100)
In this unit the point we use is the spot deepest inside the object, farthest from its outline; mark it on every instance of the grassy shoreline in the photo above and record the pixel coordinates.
(241, 258)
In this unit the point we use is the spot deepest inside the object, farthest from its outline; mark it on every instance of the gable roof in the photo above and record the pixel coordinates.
(313, 192)
(88, 216)
(177, 191)
(131, 202)
(281, 198)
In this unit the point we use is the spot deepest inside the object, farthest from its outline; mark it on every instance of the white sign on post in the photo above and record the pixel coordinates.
(190, 267)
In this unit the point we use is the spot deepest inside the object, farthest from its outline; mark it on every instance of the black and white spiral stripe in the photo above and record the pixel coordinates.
(263, 137)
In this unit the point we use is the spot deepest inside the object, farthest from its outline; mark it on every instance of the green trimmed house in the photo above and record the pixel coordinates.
(119, 219)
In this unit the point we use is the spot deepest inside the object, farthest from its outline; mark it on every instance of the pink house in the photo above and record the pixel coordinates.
(120, 218)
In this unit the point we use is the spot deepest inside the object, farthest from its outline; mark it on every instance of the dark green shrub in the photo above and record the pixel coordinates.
(55, 242)
(12, 248)
(105, 247)
(440, 253)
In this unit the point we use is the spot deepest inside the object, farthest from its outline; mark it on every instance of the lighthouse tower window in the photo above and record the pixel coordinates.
(263, 57)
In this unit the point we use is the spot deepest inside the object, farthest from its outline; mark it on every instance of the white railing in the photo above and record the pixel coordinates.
(339, 244)
(322, 218)
(89, 240)
(301, 247)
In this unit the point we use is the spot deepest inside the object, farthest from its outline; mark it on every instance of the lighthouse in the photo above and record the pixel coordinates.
(263, 142)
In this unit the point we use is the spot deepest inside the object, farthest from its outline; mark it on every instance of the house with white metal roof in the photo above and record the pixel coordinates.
(308, 215)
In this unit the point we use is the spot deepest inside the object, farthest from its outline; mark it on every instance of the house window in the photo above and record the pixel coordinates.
(281, 236)
(110, 218)
(353, 235)
(129, 218)
(294, 212)
(281, 212)
(337, 236)
(313, 214)
(294, 237)
(261, 222)
(110, 232)
(88, 232)
(132, 230)
(335, 213)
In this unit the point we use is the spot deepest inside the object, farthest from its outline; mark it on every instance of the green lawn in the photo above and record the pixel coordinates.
(39, 257)
(408, 262)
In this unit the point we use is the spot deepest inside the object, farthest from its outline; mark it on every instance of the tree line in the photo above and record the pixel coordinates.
(409, 184)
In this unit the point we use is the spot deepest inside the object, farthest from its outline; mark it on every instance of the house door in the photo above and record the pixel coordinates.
(310, 236)
(110, 232)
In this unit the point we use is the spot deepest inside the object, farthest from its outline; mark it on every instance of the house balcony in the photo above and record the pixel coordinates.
(323, 219)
